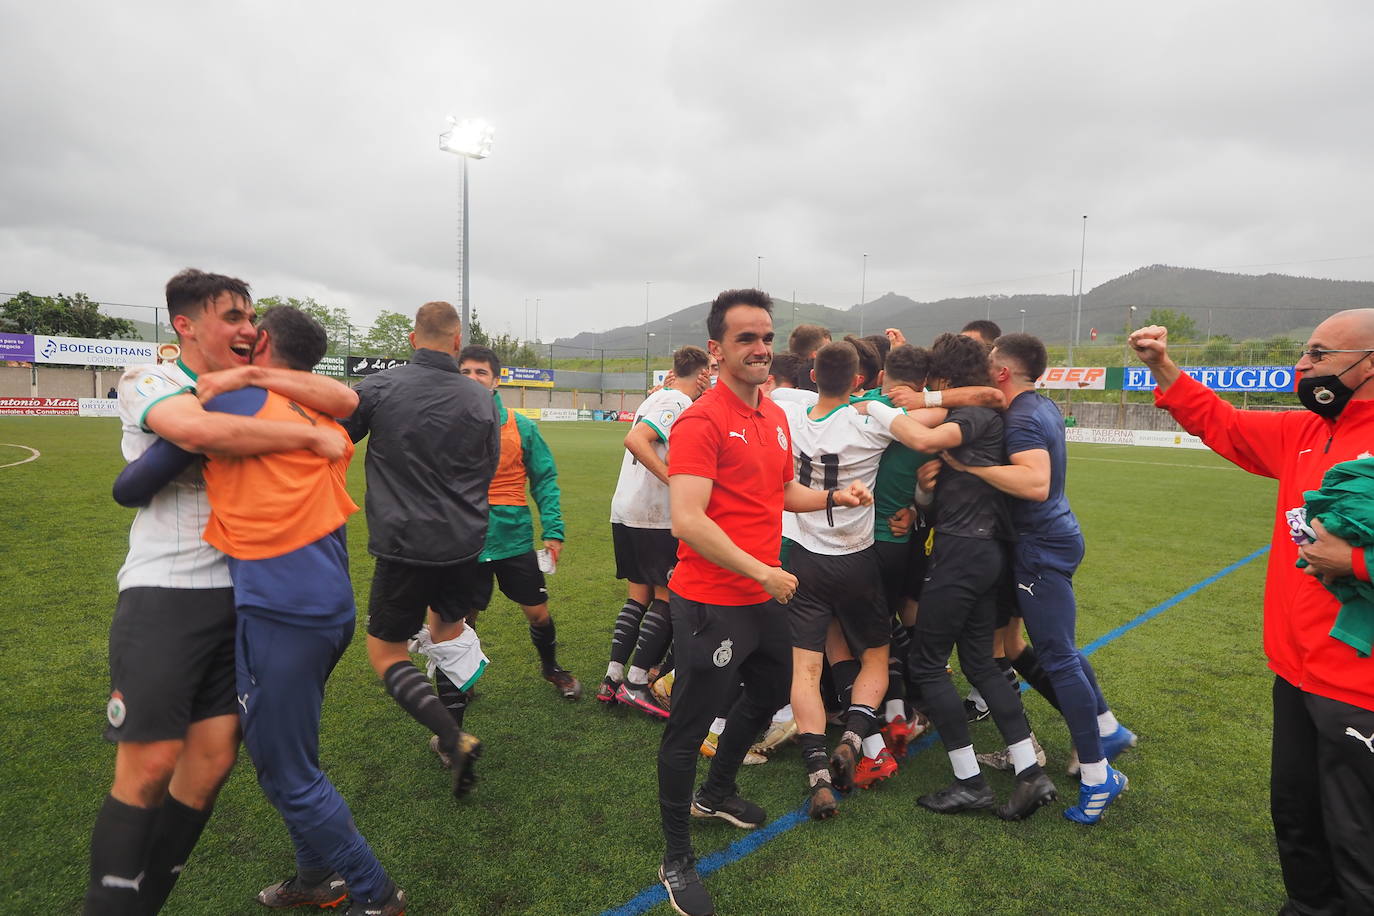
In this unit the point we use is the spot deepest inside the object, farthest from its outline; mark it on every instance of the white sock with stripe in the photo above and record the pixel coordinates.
(1093, 774)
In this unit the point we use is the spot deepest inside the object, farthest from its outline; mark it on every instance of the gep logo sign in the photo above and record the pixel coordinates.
(1073, 378)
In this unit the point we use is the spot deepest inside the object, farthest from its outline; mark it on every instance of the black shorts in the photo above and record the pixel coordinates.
(519, 578)
(401, 592)
(1007, 606)
(644, 556)
(171, 661)
(902, 566)
(919, 559)
(846, 587)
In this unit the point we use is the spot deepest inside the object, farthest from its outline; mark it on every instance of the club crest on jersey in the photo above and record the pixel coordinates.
(721, 657)
(782, 439)
(667, 417)
(115, 709)
(148, 385)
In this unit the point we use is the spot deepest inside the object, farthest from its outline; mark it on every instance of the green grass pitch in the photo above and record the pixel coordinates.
(565, 818)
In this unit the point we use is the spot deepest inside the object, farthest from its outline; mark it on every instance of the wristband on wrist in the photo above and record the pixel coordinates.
(934, 398)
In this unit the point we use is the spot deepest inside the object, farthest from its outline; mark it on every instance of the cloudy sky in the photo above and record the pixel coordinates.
(957, 145)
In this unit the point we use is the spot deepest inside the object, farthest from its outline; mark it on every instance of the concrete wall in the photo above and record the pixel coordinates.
(56, 383)
(517, 396)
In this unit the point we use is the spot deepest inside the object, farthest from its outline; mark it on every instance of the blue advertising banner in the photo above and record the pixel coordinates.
(1220, 378)
(526, 378)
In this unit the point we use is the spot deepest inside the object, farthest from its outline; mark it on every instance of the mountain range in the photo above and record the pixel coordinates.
(1240, 306)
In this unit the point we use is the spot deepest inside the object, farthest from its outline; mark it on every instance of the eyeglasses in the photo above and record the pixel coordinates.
(1317, 354)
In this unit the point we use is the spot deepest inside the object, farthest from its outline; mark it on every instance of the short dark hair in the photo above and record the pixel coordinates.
(715, 321)
(476, 353)
(690, 360)
(907, 364)
(987, 330)
(192, 289)
(958, 360)
(802, 377)
(784, 368)
(435, 320)
(836, 365)
(298, 341)
(870, 363)
(1025, 351)
(806, 339)
(881, 344)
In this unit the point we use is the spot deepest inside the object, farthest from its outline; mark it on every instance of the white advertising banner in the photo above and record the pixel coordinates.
(1148, 437)
(558, 414)
(84, 351)
(97, 407)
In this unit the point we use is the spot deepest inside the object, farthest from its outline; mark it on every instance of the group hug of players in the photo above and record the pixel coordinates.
(925, 505)
(961, 535)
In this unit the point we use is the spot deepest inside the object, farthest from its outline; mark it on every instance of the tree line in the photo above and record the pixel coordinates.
(77, 315)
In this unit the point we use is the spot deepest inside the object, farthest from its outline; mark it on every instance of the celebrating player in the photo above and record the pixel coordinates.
(642, 537)
(507, 554)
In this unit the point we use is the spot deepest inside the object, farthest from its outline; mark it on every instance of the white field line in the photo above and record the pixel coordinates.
(32, 457)
(1160, 464)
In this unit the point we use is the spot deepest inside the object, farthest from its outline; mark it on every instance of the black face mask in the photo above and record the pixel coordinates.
(1326, 395)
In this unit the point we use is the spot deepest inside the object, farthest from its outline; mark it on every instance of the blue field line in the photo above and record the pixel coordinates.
(655, 894)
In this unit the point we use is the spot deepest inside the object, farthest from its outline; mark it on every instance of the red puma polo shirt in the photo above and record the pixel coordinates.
(747, 454)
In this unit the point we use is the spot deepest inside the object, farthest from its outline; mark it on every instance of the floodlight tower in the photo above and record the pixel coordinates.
(467, 140)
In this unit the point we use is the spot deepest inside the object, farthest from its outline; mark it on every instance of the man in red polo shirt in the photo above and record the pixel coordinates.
(1321, 779)
(729, 480)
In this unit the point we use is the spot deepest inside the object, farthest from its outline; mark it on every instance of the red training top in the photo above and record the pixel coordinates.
(1295, 447)
(747, 454)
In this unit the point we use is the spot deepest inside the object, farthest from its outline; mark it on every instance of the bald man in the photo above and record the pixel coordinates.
(1322, 766)
(432, 451)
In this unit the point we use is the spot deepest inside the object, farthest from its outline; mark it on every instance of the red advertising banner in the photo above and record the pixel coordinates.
(39, 407)
(626, 416)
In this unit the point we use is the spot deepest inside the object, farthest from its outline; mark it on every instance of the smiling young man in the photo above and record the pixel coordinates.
(172, 708)
(279, 518)
(508, 555)
(729, 478)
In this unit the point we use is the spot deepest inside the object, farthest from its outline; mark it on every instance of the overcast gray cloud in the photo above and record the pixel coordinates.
(958, 145)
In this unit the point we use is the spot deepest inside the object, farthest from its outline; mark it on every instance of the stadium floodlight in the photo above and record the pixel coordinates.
(469, 139)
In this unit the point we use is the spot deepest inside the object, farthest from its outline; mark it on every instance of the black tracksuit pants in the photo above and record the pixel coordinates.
(1322, 801)
(717, 647)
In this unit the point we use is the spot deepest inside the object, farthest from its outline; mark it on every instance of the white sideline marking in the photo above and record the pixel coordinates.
(1162, 464)
(33, 457)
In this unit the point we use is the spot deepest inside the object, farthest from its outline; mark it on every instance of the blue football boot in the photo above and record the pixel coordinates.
(1093, 800)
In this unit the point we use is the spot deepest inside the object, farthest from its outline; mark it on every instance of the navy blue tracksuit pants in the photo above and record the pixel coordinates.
(281, 672)
(1043, 569)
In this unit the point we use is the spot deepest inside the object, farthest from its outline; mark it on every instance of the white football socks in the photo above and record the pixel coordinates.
(965, 762)
(717, 726)
(1093, 774)
(784, 714)
(615, 671)
(1107, 725)
(639, 676)
(894, 710)
(1022, 754)
(873, 744)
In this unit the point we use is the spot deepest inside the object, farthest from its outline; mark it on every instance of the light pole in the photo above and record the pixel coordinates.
(863, 292)
(648, 380)
(670, 337)
(536, 323)
(758, 278)
(1078, 310)
(527, 319)
(466, 140)
(1023, 321)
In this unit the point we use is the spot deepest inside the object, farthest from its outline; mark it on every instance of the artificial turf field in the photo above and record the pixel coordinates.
(565, 817)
